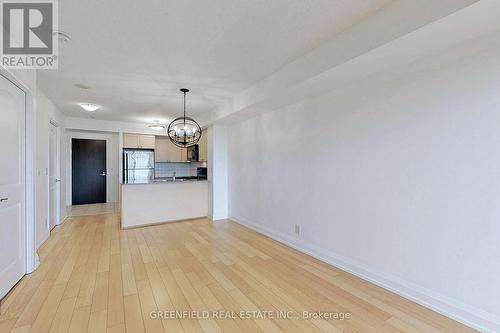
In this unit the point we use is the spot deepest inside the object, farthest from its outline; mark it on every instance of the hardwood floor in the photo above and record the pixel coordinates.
(94, 277)
(93, 209)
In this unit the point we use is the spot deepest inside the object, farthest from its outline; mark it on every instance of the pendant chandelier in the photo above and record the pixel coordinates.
(184, 131)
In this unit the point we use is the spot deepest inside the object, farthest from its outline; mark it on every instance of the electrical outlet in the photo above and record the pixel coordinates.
(298, 229)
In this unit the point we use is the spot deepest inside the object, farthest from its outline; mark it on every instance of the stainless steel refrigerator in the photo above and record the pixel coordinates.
(138, 165)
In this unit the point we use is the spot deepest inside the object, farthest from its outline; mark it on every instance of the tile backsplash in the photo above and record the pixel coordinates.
(167, 169)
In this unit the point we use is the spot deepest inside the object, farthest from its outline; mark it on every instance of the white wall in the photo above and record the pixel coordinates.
(217, 172)
(396, 178)
(45, 112)
(112, 161)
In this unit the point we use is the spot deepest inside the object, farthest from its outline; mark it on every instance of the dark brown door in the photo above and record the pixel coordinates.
(88, 171)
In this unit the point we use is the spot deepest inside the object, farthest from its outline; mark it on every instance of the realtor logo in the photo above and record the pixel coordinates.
(28, 39)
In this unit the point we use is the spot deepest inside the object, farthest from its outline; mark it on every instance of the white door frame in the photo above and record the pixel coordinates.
(54, 123)
(32, 260)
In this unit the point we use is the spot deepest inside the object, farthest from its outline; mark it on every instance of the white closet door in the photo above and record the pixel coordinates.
(12, 187)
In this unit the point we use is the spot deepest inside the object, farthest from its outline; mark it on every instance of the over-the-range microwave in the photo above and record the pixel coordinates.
(193, 153)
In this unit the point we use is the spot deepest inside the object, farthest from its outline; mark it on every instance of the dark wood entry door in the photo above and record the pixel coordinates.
(88, 171)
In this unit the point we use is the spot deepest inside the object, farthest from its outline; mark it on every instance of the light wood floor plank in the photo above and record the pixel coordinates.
(97, 322)
(80, 320)
(115, 292)
(48, 310)
(148, 305)
(133, 315)
(62, 319)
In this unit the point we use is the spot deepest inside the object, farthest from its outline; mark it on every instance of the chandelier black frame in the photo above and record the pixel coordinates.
(184, 131)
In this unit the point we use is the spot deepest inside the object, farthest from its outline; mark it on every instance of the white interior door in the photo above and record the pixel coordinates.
(54, 182)
(12, 187)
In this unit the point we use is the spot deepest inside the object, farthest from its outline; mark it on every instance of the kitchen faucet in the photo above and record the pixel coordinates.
(173, 178)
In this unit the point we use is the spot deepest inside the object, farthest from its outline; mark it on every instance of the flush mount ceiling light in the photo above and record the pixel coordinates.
(62, 36)
(157, 126)
(82, 86)
(89, 107)
(184, 131)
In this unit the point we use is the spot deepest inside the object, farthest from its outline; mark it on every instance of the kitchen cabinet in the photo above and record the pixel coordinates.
(184, 156)
(138, 141)
(203, 146)
(166, 151)
(130, 141)
(147, 141)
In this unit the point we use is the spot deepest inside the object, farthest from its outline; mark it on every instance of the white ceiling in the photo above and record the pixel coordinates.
(135, 55)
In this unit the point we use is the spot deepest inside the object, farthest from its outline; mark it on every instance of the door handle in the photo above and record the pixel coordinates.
(58, 180)
(4, 199)
(103, 174)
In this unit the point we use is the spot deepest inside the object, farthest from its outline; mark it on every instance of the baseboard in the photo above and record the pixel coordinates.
(468, 315)
(164, 222)
(63, 219)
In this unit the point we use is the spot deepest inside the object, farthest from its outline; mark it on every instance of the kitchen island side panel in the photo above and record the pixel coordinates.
(148, 204)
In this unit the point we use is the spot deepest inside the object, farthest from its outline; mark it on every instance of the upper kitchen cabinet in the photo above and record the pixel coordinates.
(184, 157)
(166, 151)
(138, 141)
(203, 146)
(147, 141)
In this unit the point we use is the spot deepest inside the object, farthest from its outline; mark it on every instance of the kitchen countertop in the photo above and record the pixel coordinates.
(168, 180)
